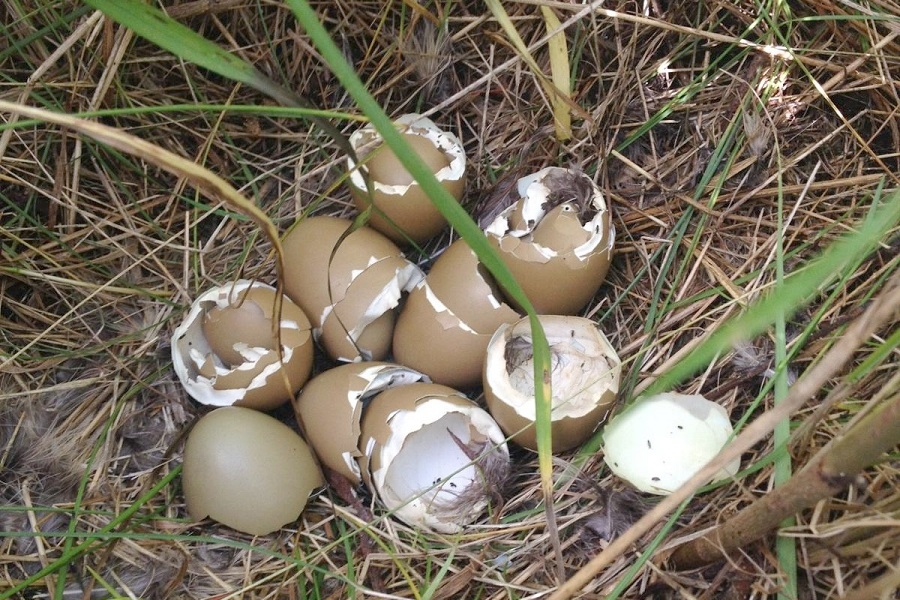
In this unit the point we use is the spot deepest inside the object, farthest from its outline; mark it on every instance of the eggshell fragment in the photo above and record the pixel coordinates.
(405, 207)
(662, 441)
(585, 371)
(329, 409)
(224, 352)
(557, 239)
(247, 470)
(433, 457)
(449, 318)
(348, 283)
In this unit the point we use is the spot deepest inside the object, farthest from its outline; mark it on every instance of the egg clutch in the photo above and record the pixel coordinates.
(394, 415)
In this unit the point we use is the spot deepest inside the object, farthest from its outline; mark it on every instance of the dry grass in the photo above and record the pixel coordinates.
(99, 255)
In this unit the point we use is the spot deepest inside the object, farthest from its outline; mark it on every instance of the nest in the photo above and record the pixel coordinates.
(712, 143)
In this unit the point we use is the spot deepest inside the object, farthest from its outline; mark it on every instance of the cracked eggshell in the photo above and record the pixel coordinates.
(557, 239)
(247, 470)
(358, 288)
(329, 409)
(585, 371)
(444, 328)
(396, 193)
(417, 468)
(661, 441)
(224, 352)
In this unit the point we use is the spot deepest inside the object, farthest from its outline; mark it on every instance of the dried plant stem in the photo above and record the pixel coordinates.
(882, 310)
(832, 470)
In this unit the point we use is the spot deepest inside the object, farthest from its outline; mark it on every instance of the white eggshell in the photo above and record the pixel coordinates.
(662, 441)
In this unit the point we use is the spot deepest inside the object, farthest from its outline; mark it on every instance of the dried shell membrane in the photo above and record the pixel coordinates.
(585, 371)
(398, 196)
(434, 458)
(225, 354)
(557, 239)
(330, 407)
(661, 441)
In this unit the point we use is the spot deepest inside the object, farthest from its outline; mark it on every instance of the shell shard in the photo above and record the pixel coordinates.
(224, 353)
(403, 209)
(557, 239)
(585, 372)
(435, 459)
(661, 441)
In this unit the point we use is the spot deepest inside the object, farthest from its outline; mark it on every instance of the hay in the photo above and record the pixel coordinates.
(101, 253)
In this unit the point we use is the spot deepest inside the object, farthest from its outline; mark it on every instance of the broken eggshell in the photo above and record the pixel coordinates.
(329, 409)
(405, 207)
(224, 352)
(247, 470)
(349, 285)
(557, 239)
(584, 370)
(661, 441)
(448, 319)
(434, 458)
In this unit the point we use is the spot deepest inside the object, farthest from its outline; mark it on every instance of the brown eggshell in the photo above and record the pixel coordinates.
(358, 263)
(224, 351)
(445, 334)
(247, 470)
(403, 208)
(329, 409)
(418, 441)
(585, 371)
(558, 276)
(357, 325)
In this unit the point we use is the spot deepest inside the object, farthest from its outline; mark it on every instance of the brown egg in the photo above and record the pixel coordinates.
(405, 208)
(329, 409)
(434, 458)
(585, 371)
(349, 293)
(247, 470)
(448, 319)
(224, 352)
(556, 240)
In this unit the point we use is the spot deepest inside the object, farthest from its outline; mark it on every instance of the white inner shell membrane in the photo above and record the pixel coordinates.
(579, 373)
(367, 138)
(533, 194)
(662, 441)
(190, 350)
(423, 469)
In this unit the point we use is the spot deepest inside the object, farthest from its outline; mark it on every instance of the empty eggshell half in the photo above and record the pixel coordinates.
(661, 441)
(401, 201)
(434, 458)
(224, 352)
(557, 239)
(444, 328)
(585, 371)
(348, 283)
(247, 470)
(329, 409)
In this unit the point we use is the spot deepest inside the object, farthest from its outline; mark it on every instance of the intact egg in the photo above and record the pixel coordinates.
(444, 328)
(349, 281)
(661, 441)
(247, 470)
(404, 210)
(329, 409)
(557, 239)
(225, 352)
(584, 372)
(433, 457)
